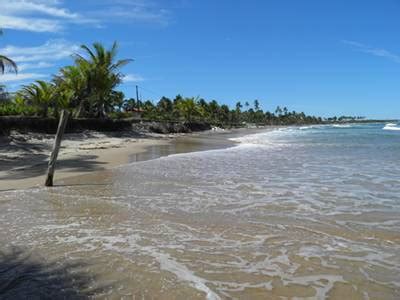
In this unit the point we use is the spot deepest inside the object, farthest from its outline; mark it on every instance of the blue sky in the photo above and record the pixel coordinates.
(322, 57)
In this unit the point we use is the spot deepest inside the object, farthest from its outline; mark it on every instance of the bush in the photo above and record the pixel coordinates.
(13, 109)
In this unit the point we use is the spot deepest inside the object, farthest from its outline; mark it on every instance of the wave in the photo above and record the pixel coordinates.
(391, 126)
(342, 125)
(275, 137)
(253, 139)
(306, 127)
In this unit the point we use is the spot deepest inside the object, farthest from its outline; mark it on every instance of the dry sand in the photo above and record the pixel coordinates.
(24, 157)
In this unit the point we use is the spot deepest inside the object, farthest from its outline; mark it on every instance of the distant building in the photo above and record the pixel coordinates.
(136, 112)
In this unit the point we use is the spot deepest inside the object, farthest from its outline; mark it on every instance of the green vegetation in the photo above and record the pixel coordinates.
(195, 109)
(86, 88)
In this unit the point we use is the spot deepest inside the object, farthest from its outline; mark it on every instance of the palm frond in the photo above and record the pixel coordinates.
(6, 62)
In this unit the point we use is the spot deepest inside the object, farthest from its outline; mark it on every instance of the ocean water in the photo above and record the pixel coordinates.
(307, 212)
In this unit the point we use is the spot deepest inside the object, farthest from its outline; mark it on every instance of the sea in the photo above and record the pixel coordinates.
(308, 212)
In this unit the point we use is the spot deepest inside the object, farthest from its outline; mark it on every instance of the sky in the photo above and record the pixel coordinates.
(325, 58)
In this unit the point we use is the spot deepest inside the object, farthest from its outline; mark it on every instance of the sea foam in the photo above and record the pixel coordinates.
(391, 126)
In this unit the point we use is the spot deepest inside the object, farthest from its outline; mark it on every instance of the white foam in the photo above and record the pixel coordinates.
(182, 272)
(341, 125)
(263, 138)
(391, 126)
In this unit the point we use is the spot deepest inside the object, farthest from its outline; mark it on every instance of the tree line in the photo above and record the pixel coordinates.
(198, 109)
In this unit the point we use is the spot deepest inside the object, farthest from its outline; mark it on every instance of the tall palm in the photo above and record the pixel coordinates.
(7, 63)
(102, 72)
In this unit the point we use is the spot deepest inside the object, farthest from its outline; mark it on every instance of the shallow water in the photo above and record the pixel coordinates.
(305, 212)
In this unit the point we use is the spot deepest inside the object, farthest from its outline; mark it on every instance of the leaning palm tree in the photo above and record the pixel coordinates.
(102, 74)
(6, 63)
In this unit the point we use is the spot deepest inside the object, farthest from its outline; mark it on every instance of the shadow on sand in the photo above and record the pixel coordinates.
(76, 164)
(33, 162)
(25, 275)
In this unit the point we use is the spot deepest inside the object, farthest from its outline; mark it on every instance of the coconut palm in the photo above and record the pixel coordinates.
(72, 82)
(256, 105)
(7, 63)
(188, 108)
(40, 95)
(102, 73)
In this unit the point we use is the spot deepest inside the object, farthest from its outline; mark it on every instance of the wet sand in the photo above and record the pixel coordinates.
(195, 142)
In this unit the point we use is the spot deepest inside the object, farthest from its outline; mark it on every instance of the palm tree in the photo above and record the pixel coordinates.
(101, 70)
(278, 111)
(256, 105)
(72, 82)
(165, 106)
(238, 106)
(188, 109)
(7, 63)
(40, 95)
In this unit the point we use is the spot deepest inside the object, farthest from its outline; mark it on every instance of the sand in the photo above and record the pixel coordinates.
(24, 157)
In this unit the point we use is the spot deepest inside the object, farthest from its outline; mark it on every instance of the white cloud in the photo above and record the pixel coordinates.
(53, 16)
(52, 50)
(34, 58)
(20, 77)
(21, 7)
(34, 66)
(373, 51)
(129, 13)
(133, 78)
(37, 15)
(29, 24)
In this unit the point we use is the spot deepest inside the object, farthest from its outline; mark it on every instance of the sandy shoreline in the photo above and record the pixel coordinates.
(24, 157)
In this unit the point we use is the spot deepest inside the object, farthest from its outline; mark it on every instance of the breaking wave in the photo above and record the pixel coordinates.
(391, 126)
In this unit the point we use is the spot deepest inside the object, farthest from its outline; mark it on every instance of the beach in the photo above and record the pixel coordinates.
(307, 212)
(24, 157)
